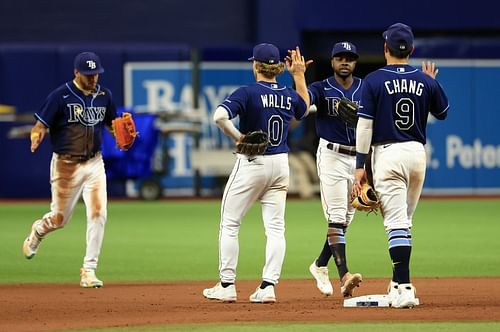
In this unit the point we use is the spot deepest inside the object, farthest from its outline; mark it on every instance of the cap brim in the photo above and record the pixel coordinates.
(251, 58)
(92, 72)
(354, 54)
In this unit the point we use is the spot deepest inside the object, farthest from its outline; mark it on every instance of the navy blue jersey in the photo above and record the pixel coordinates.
(76, 121)
(325, 95)
(399, 98)
(268, 107)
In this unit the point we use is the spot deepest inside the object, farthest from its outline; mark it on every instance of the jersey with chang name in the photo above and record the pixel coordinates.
(75, 120)
(325, 95)
(268, 107)
(398, 98)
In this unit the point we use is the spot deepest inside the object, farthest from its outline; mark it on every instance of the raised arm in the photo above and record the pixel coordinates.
(296, 66)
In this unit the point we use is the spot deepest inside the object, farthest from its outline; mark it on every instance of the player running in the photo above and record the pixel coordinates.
(395, 104)
(76, 113)
(270, 107)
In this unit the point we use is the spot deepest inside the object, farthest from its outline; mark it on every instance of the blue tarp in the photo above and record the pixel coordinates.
(136, 162)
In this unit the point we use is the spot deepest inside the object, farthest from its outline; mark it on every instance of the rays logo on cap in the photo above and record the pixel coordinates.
(91, 64)
(345, 47)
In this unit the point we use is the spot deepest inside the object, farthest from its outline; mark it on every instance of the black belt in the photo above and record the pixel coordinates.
(78, 159)
(341, 149)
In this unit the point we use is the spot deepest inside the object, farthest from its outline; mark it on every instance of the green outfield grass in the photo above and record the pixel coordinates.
(356, 327)
(177, 240)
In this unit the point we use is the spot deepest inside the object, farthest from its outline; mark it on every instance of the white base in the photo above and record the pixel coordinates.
(376, 300)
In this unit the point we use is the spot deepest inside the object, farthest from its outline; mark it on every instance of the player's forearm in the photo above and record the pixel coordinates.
(301, 88)
(221, 119)
(364, 131)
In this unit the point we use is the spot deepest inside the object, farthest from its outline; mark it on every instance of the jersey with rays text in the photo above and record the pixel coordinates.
(76, 121)
(325, 95)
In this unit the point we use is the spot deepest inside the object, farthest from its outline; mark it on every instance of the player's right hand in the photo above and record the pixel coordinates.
(36, 136)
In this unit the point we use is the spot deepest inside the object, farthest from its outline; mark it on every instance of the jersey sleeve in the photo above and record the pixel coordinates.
(367, 104)
(314, 92)
(111, 113)
(439, 103)
(49, 109)
(235, 103)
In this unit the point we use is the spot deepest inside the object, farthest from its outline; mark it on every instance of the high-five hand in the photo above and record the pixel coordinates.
(295, 62)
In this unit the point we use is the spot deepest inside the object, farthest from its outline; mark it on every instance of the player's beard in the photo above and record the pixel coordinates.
(343, 73)
(88, 83)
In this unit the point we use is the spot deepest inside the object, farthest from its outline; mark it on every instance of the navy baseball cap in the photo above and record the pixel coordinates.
(266, 53)
(88, 63)
(344, 47)
(399, 37)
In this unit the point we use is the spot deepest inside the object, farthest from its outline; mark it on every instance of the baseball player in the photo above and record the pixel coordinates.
(76, 113)
(270, 107)
(335, 160)
(395, 103)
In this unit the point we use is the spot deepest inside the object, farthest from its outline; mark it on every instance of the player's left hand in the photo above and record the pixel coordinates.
(430, 69)
(295, 62)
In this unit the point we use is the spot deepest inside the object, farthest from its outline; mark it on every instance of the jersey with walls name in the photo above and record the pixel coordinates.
(269, 107)
(76, 121)
(398, 98)
(325, 95)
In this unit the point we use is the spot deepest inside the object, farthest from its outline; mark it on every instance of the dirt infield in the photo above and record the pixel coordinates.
(39, 307)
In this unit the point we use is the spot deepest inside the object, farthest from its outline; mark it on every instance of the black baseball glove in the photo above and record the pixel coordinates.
(348, 111)
(253, 143)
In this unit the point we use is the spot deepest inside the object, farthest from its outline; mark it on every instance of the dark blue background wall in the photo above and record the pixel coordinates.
(223, 22)
(170, 21)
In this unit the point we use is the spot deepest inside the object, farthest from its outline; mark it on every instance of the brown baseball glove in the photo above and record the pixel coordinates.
(367, 200)
(124, 131)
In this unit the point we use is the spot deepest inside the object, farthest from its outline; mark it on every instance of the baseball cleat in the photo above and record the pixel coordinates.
(407, 297)
(265, 295)
(227, 294)
(32, 243)
(89, 279)
(392, 292)
(322, 280)
(349, 282)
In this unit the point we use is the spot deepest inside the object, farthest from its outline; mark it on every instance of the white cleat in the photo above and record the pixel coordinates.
(32, 243)
(392, 292)
(322, 279)
(220, 293)
(265, 295)
(88, 279)
(407, 297)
